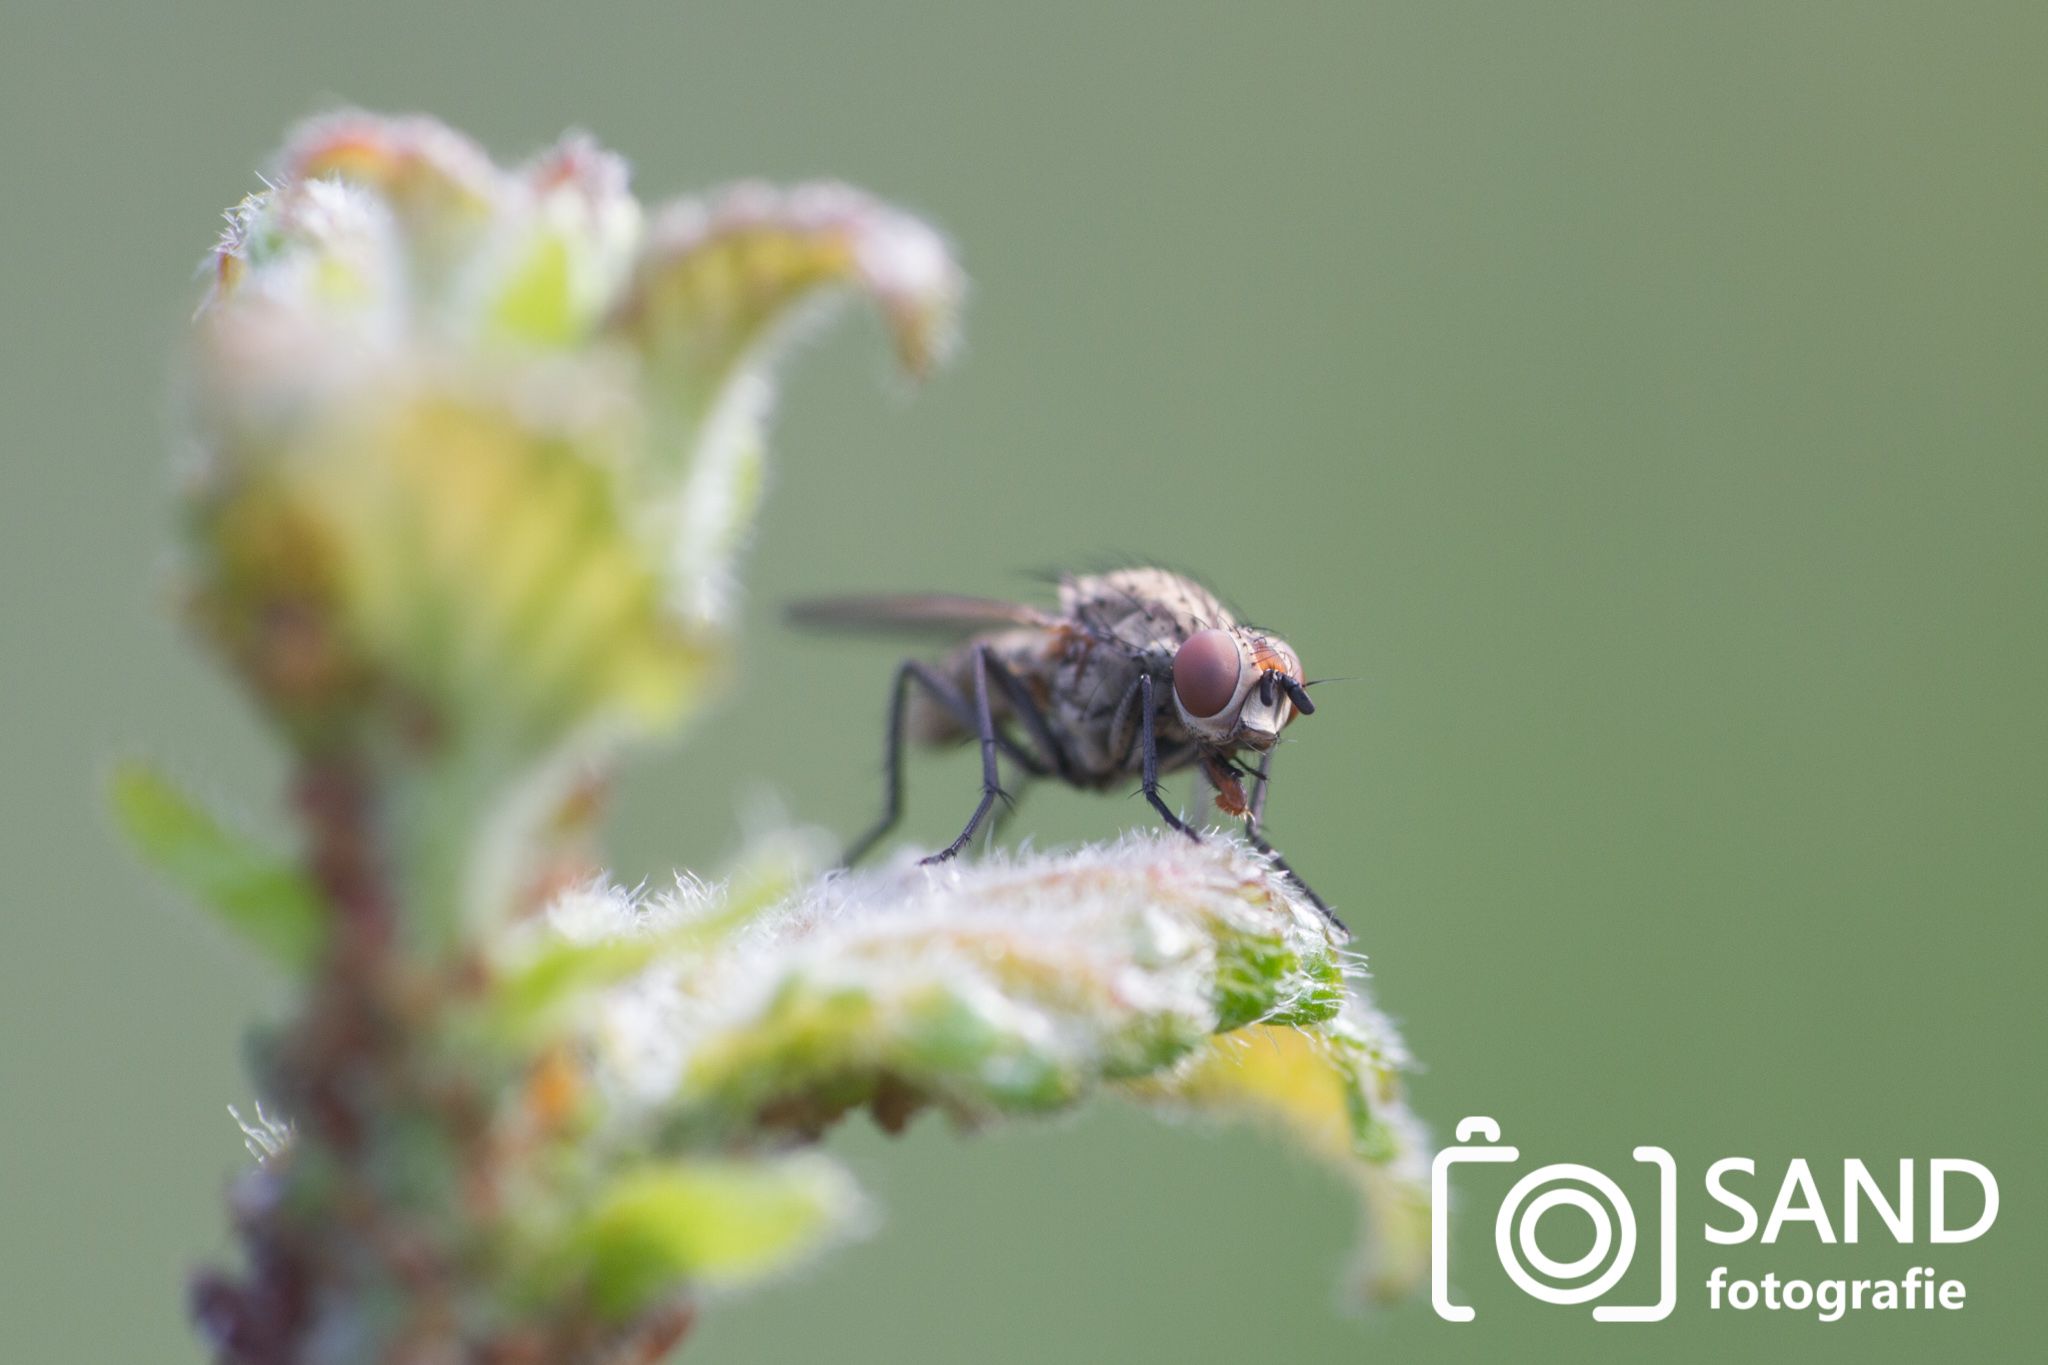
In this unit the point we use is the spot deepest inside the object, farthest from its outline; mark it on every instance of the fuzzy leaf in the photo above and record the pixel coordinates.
(493, 561)
(1192, 977)
(262, 898)
(1000, 987)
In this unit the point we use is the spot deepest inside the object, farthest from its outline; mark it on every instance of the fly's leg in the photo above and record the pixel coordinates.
(1257, 815)
(1150, 753)
(947, 695)
(1051, 760)
(1306, 890)
(892, 755)
(991, 777)
(999, 820)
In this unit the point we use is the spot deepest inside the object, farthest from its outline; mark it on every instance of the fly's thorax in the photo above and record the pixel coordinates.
(1092, 685)
(1142, 609)
(1226, 687)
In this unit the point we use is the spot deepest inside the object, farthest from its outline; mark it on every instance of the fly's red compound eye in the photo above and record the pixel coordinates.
(1205, 673)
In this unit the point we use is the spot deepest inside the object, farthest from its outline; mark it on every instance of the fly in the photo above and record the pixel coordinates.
(1138, 672)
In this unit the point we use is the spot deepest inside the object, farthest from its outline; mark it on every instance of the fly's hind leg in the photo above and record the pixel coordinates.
(941, 690)
(892, 754)
(991, 776)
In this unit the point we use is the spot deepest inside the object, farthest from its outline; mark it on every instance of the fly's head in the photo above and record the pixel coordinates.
(1237, 688)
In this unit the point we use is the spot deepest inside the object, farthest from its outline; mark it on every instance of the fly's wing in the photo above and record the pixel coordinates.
(942, 614)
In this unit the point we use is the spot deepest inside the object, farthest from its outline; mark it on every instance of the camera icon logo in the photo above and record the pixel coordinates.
(1563, 1184)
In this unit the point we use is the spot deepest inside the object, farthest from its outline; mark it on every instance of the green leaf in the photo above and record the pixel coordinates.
(711, 1223)
(719, 280)
(261, 897)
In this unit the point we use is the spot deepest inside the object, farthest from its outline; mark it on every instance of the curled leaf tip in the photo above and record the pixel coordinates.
(720, 274)
(578, 161)
(415, 160)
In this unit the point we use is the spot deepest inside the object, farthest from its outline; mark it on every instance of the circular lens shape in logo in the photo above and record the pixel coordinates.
(1514, 1233)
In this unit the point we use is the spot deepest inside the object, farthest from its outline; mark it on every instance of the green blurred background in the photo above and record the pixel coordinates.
(1643, 403)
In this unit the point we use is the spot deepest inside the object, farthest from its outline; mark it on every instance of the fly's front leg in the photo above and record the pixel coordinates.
(991, 776)
(1257, 814)
(1306, 890)
(1255, 818)
(1149, 752)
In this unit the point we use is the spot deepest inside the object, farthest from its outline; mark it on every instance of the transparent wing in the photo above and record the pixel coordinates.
(915, 614)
